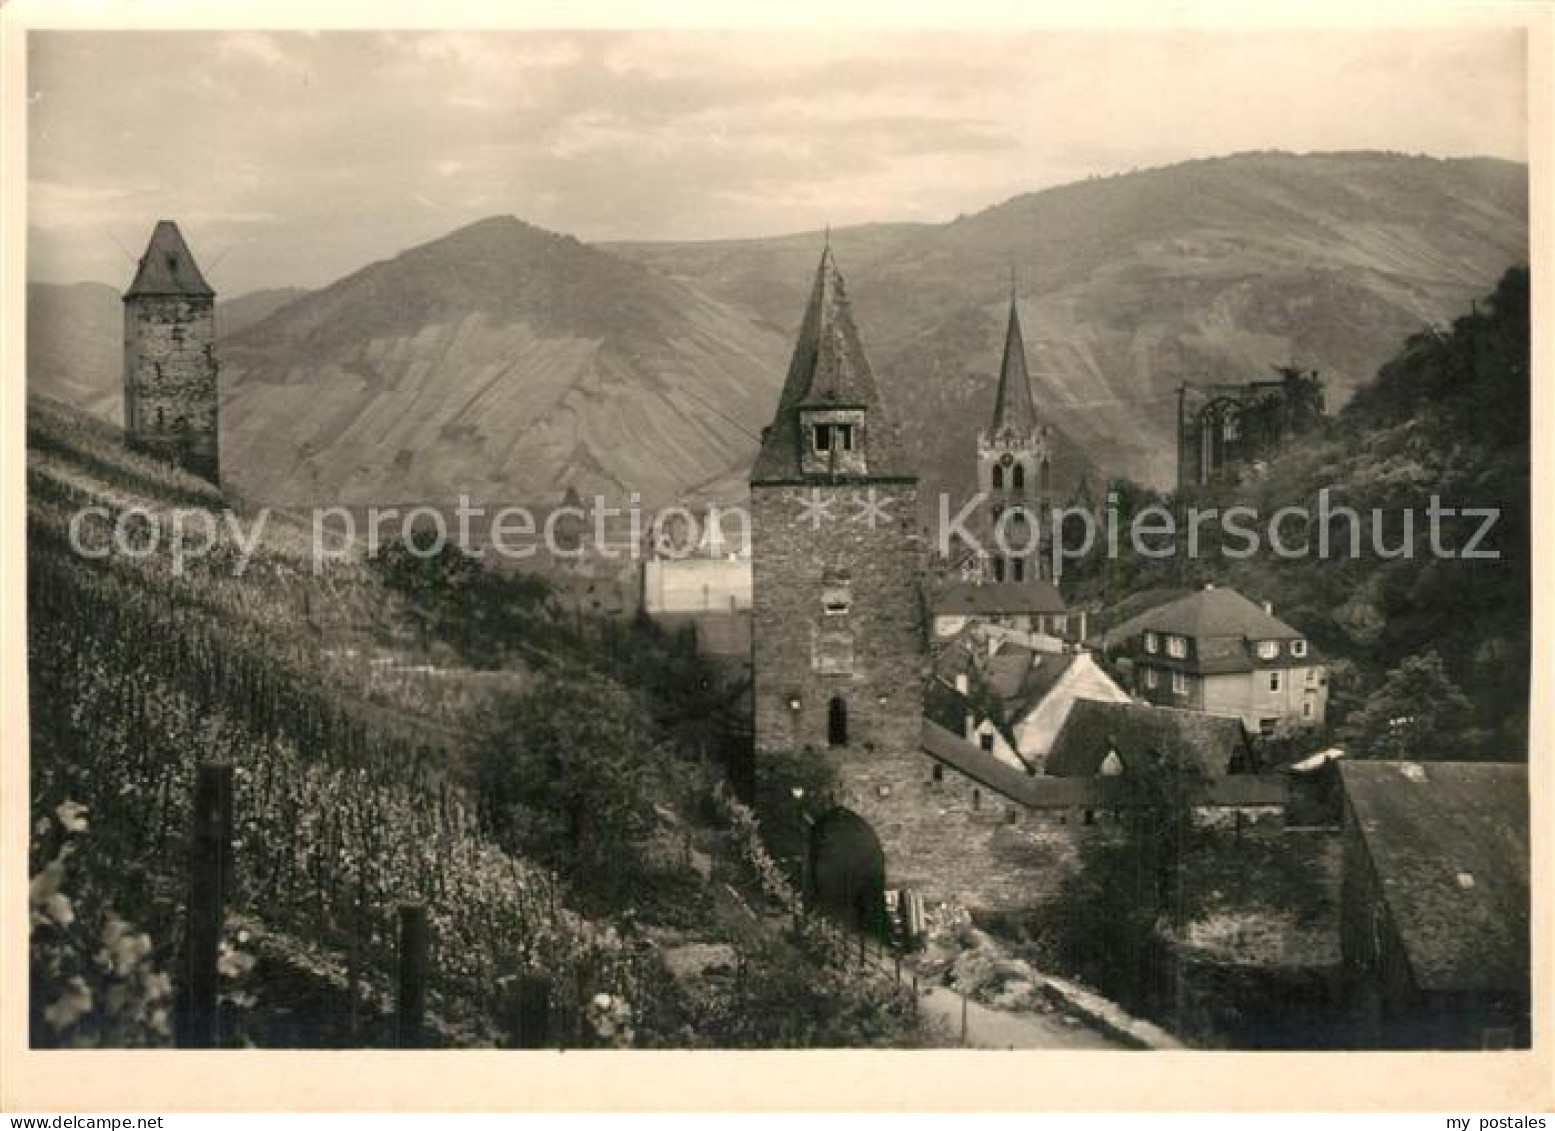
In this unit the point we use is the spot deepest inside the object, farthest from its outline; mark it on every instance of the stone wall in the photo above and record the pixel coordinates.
(868, 650)
(170, 389)
(946, 838)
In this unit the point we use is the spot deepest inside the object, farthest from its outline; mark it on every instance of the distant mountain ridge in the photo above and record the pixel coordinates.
(1207, 270)
(509, 362)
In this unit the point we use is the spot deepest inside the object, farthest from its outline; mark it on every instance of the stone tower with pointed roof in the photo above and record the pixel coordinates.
(170, 389)
(1013, 459)
(838, 649)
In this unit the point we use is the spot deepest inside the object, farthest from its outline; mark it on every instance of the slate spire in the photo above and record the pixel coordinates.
(168, 267)
(1013, 407)
(828, 370)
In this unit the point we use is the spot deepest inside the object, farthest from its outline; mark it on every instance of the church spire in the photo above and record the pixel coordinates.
(1013, 407)
(830, 383)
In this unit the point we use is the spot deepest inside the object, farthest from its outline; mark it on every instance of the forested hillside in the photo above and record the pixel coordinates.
(1430, 650)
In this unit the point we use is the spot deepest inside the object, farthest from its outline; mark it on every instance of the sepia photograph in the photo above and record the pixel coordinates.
(1005, 538)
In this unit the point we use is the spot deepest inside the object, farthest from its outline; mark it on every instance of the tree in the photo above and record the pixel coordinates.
(568, 771)
(1418, 712)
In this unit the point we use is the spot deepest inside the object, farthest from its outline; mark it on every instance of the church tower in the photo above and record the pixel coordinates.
(837, 636)
(170, 389)
(1013, 458)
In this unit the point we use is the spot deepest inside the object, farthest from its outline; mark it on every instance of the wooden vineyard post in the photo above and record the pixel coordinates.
(963, 1018)
(530, 1020)
(210, 865)
(411, 1001)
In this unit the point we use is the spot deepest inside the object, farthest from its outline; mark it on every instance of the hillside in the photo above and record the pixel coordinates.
(238, 314)
(1445, 417)
(75, 338)
(501, 362)
(1213, 269)
(506, 362)
(364, 743)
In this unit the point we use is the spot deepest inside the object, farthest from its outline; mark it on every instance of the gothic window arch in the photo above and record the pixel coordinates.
(1018, 477)
(998, 478)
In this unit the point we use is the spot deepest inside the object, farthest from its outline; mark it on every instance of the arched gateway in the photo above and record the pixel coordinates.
(847, 871)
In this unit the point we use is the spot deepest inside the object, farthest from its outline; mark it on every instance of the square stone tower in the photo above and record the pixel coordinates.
(170, 387)
(838, 641)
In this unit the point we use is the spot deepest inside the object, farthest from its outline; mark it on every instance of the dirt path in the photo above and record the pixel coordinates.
(1003, 1029)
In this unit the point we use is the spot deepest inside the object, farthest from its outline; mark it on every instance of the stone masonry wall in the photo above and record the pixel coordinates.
(170, 389)
(948, 839)
(794, 568)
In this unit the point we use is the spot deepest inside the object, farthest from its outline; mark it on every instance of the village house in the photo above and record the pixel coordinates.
(1107, 739)
(1216, 651)
(1033, 607)
(1434, 904)
(1012, 700)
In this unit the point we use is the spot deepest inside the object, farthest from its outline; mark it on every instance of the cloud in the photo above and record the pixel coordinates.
(312, 154)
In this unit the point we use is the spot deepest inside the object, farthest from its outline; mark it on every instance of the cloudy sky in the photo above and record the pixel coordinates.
(293, 158)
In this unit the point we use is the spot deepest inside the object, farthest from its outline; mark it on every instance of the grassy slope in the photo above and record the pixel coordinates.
(348, 792)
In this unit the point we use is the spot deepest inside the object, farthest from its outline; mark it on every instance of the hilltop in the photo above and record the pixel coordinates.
(1207, 270)
(507, 362)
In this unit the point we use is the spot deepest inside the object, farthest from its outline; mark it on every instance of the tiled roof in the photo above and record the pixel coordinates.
(1011, 598)
(1212, 611)
(1216, 743)
(829, 370)
(945, 706)
(1448, 842)
(1047, 792)
(168, 267)
(1013, 408)
(1007, 668)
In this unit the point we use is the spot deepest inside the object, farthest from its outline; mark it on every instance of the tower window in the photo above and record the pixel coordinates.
(1018, 477)
(998, 478)
(837, 722)
(1017, 570)
(834, 437)
(998, 569)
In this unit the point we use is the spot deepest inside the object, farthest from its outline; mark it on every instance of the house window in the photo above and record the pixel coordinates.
(1266, 727)
(939, 772)
(1274, 681)
(1268, 649)
(1298, 647)
(977, 799)
(1152, 677)
(1177, 646)
(1306, 709)
(1179, 683)
(1152, 642)
(986, 739)
(1311, 677)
